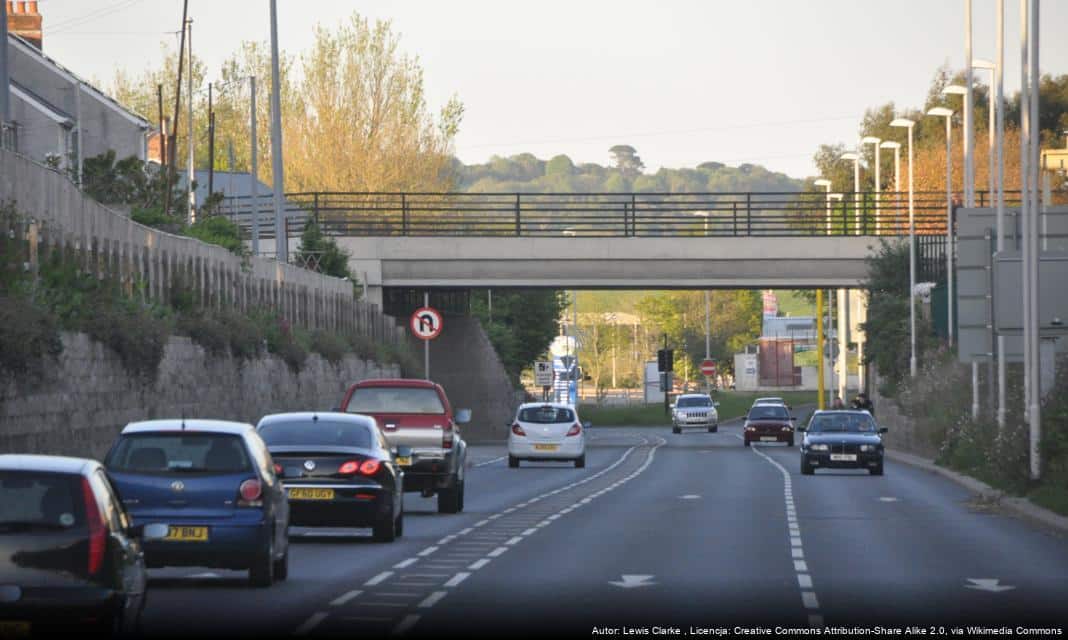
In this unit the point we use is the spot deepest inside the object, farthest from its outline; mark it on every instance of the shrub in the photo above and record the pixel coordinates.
(27, 334)
(362, 345)
(137, 336)
(207, 331)
(246, 336)
(218, 230)
(329, 345)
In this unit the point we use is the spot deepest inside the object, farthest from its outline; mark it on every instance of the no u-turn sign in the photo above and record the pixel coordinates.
(426, 323)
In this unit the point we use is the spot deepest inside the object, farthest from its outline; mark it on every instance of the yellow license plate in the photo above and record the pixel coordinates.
(545, 447)
(311, 494)
(404, 461)
(14, 629)
(187, 534)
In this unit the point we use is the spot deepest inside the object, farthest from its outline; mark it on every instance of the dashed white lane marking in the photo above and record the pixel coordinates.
(690, 496)
(432, 599)
(427, 551)
(496, 552)
(447, 539)
(478, 564)
(403, 564)
(529, 531)
(804, 578)
(406, 624)
(514, 540)
(378, 579)
(340, 600)
(311, 623)
(489, 462)
(887, 499)
(464, 532)
(457, 579)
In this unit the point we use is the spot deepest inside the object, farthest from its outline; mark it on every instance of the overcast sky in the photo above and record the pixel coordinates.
(683, 81)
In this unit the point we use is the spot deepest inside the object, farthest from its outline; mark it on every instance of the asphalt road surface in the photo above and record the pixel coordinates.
(674, 531)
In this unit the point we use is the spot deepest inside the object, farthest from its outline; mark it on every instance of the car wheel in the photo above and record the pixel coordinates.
(449, 499)
(713, 428)
(385, 528)
(876, 471)
(261, 573)
(460, 500)
(281, 567)
(580, 462)
(806, 468)
(675, 429)
(399, 526)
(513, 462)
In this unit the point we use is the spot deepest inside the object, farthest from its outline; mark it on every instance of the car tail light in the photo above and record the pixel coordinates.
(278, 469)
(365, 496)
(350, 467)
(97, 531)
(370, 467)
(575, 429)
(446, 441)
(250, 492)
(518, 430)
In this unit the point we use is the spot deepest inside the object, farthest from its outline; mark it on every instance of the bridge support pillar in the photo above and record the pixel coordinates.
(843, 342)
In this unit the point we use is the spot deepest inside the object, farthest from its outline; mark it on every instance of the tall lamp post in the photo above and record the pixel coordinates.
(943, 112)
(872, 140)
(855, 157)
(908, 124)
(896, 146)
(989, 66)
(826, 184)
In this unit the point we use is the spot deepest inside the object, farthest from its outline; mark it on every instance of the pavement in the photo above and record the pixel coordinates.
(689, 532)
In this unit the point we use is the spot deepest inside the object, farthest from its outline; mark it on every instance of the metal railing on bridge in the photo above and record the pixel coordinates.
(601, 214)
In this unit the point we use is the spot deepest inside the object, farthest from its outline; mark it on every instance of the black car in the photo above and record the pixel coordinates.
(70, 561)
(338, 471)
(842, 440)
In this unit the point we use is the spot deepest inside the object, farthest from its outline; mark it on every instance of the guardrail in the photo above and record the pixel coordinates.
(601, 214)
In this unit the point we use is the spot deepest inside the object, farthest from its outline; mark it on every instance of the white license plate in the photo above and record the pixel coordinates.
(768, 439)
(546, 447)
(843, 457)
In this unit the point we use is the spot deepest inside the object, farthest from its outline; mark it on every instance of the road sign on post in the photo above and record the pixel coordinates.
(708, 368)
(543, 374)
(426, 323)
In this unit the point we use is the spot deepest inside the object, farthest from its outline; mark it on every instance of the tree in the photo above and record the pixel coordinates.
(321, 253)
(559, 165)
(626, 159)
(524, 324)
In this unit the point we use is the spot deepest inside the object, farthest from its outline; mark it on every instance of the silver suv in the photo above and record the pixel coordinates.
(694, 410)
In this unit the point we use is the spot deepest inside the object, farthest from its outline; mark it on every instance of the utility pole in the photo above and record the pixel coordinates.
(5, 79)
(162, 128)
(255, 168)
(281, 238)
(191, 169)
(211, 141)
(172, 160)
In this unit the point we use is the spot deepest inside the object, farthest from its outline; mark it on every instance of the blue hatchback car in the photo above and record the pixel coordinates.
(214, 484)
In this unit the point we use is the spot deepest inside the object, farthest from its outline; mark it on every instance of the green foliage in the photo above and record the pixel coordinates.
(321, 253)
(220, 231)
(129, 181)
(27, 334)
(329, 345)
(524, 324)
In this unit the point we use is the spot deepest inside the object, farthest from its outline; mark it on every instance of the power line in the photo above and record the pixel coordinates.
(70, 23)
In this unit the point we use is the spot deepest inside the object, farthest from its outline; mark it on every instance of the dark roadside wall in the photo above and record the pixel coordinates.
(463, 360)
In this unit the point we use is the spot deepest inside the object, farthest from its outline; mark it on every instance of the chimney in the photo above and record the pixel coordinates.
(24, 20)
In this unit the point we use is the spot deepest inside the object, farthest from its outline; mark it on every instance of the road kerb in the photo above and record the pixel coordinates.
(1018, 506)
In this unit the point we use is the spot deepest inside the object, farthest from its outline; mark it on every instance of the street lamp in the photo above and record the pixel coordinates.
(961, 90)
(855, 157)
(703, 214)
(896, 146)
(943, 112)
(872, 140)
(909, 124)
(826, 184)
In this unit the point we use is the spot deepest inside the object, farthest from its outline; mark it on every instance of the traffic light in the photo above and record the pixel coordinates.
(665, 360)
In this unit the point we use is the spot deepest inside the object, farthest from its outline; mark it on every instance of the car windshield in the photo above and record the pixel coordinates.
(546, 415)
(841, 423)
(179, 452)
(317, 433)
(769, 412)
(29, 498)
(694, 402)
(395, 400)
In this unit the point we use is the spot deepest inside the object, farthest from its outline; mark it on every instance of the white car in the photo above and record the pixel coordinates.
(547, 431)
(694, 410)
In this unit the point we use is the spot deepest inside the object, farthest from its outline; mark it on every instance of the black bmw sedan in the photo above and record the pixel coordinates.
(842, 440)
(338, 471)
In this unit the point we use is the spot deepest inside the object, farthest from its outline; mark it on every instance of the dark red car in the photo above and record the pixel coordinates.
(769, 423)
(417, 414)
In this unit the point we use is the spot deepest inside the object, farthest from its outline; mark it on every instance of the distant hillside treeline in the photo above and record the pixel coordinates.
(528, 174)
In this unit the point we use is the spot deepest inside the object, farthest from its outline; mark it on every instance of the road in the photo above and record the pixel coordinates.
(690, 530)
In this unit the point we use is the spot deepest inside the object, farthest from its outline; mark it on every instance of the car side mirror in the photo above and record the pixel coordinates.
(793, 418)
(463, 416)
(883, 430)
(403, 451)
(586, 424)
(802, 429)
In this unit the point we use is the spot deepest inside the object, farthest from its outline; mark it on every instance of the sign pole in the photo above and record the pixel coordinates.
(426, 343)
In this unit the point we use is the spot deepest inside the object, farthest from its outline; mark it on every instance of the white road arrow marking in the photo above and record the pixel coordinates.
(988, 584)
(690, 496)
(631, 581)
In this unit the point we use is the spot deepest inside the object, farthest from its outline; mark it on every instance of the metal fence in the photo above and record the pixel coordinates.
(599, 214)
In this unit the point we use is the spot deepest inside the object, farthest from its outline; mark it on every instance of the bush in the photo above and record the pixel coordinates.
(207, 331)
(218, 230)
(329, 345)
(246, 336)
(137, 336)
(27, 334)
(363, 346)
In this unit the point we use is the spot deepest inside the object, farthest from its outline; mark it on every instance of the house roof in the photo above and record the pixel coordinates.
(28, 49)
(50, 110)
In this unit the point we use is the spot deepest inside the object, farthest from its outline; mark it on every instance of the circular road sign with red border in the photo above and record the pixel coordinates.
(426, 323)
(708, 367)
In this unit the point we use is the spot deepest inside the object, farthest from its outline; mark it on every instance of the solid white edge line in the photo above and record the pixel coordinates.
(340, 600)
(312, 622)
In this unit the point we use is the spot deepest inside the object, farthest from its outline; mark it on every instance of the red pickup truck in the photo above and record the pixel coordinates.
(417, 414)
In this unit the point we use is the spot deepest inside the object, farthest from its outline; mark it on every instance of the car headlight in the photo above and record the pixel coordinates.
(819, 447)
(868, 448)
(787, 428)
